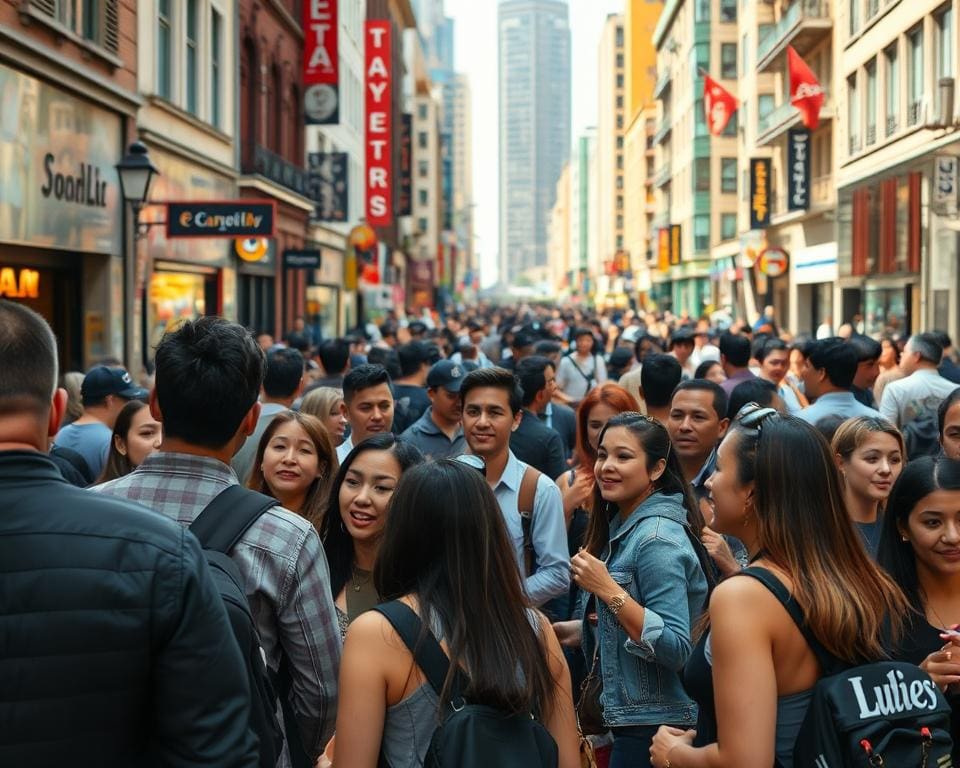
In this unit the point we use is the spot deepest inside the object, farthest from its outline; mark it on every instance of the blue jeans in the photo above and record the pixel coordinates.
(631, 746)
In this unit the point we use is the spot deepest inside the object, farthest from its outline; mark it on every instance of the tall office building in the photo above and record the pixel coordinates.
(534, 127)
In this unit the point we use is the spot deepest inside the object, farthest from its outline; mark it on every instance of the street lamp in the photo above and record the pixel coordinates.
(136, 172)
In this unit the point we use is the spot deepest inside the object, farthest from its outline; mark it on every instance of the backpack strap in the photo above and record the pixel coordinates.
(827, 661)
(526, 497)
(224, 520)
(426, 651)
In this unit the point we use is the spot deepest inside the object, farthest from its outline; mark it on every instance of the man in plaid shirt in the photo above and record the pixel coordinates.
(208, 377)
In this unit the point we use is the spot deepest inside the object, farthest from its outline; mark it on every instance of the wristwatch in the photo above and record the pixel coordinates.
(617, 602)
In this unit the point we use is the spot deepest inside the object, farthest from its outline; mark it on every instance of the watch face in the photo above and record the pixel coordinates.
(320, 103)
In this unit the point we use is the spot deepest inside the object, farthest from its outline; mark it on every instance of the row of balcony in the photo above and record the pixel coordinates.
(664, 127)
(785, 117)
(803, 25)
(662, 85)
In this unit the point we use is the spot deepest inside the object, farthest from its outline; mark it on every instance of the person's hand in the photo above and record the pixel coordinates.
(591, 575)
(578, 494)
(943, 666)
(666, 739)
(569, 633)
(719, 550)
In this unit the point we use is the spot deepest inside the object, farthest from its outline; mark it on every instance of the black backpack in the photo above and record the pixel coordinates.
(219, 527)
(884, 713)
(921, 436)
(469, 735)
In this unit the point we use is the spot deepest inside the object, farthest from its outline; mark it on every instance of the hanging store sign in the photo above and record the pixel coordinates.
(944, 181)
(675, 254)
(232, 219)
(252, 249)
(330, 185)
(798, 169)
(301, 259)
(663, 249)
(321, 62)
(378, 55)
(759, 192)
(405, 201)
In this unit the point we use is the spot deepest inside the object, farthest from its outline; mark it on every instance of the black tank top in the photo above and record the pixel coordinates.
(698, 683)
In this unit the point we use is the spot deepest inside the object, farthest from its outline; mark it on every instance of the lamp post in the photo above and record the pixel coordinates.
(136, 172)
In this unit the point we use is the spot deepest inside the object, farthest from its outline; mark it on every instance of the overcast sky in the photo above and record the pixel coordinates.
(476, 55)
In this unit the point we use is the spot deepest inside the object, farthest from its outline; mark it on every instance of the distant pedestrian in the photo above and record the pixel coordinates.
(136, 434)
(369, 401)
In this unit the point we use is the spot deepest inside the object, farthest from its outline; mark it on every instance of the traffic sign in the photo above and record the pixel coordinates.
(773, 261)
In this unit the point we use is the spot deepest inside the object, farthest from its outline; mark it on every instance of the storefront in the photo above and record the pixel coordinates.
(256, 284)
(324, 296)
(813, 273)
(61, 244)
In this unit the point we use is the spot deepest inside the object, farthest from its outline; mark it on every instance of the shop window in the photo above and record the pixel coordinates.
(191, 63)
(728, 174)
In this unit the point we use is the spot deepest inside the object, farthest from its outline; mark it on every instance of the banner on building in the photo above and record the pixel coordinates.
(663, 249)
(321, 62)
(405, 198)
(378, 58)
(806, 93)
(759, 192)
(330, 185)
(798, 169)
(675, 239)
(718, 105)
(229, 218)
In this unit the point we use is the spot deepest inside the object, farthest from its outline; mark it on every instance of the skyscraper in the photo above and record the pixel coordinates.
(534, 42)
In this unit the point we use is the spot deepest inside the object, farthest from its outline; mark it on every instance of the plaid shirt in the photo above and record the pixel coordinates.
(286, 579)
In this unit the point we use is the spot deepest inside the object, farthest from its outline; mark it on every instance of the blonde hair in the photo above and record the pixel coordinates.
(854, 432)
(319, 402)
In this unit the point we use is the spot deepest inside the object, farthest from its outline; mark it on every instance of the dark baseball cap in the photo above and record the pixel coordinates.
(446, 374)
(101, 381)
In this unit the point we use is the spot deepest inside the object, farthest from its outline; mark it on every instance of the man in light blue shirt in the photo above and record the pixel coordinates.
(491, 411)
(828, 374)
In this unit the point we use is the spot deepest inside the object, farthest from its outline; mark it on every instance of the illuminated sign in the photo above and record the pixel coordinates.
(759, 192)
(675, 254)
(378, 53)
(321, 62)
(233, 219)
(22, 285)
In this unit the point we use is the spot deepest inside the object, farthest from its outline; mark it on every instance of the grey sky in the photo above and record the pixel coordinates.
(476, 56)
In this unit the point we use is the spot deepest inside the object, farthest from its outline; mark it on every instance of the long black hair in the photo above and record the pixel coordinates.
(337, 542)
(446, 543)
(919, 478)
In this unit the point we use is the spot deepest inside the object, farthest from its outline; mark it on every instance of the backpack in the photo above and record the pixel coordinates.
(883, 713)
(218, 528)
(921, 436)
(469, 735)
(526, 497)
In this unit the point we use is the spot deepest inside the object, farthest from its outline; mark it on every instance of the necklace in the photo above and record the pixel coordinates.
(941, 623)
(358, 583)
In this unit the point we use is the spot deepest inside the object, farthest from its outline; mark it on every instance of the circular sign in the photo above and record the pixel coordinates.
(251, 248)
(773, 261)
(320, 102)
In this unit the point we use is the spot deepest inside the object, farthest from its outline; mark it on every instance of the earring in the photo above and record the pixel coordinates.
(904, 538)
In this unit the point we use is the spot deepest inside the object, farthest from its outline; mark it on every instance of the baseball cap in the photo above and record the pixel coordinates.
(446, 374)
(101, 381)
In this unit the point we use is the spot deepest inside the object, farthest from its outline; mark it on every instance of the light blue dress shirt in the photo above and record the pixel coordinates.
(548, 532)
(842, 404)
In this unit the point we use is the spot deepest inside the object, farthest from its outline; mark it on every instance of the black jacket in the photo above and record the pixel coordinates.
(538, 445)
(564, 421)
(116, 650)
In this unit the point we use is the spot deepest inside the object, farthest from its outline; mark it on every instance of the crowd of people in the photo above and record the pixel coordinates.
(650, 537)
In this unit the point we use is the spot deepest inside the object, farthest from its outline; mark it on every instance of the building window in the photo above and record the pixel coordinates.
(619, 61)
(765, 105)
(619, 81)
(295, 127)
(731, 129)
(854, 17)
(892, 105)
(163, 49)
(421, 111)
(702, 10)
(728, 11)
(728, 174)
(871, 116)
(915, 75)
(423, 168)
(744, 55)
(619, 102)
(853, 114)
(191, 69)
(216, 52)
(422, 196)
(277, 116)
(701, 174)
(728, 226)
(422, 226)
(619, 37)
(701, 232)
(728, 61)
(944, 22)
(252, 93)
(423, 140)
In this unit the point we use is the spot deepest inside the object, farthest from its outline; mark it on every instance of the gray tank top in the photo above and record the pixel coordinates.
(408, 728)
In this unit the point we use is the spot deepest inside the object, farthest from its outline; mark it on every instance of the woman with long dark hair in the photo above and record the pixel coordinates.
(353, 525)
(920, 548)
(446, 554)
(643, 572)
(135, 436)
(777, 489)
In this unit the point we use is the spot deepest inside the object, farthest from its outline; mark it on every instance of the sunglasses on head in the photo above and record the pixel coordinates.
(751, 416)
(474, 462)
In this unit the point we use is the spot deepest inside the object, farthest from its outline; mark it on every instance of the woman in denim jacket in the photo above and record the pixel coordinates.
(644, 576)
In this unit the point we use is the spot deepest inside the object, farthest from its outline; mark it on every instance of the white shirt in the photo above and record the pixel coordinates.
(344, 449)
(920, 392)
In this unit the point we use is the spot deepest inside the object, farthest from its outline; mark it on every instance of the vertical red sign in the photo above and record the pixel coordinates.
(321, 62)
(378, 55)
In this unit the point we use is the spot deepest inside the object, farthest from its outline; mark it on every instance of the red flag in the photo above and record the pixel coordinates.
(718, 104)
(806, 94)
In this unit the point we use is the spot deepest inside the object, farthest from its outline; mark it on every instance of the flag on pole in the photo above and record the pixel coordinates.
(806, 93)
(718, 104)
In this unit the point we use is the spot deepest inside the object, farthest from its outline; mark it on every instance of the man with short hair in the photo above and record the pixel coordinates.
(735, 359)
(369, 401)
(658, 378)
(533, 442)
(437, 433)
(868, 368)
(681, 347)
(282, 384)
(410, 390)
(827, 374)
(334, 357)
(117, 647)
(104, 392)
(774, 358)
(948, 366)
(491, 411)
(209, 373)
(520, 347)
(920, 392)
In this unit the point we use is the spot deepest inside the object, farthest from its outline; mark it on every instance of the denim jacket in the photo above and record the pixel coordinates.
(651, 557)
